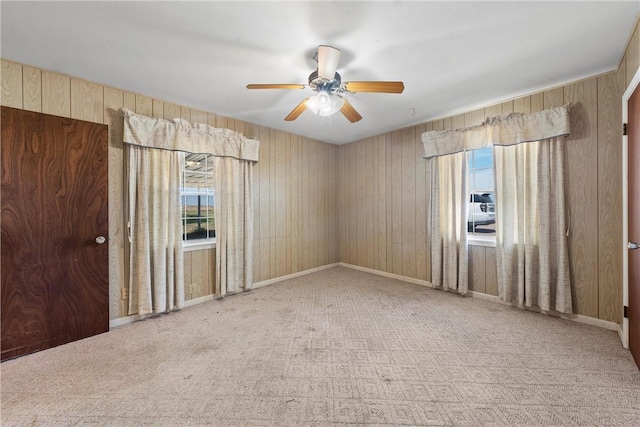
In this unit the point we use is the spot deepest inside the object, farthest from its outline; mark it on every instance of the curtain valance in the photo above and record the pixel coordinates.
(180, 135)
(511, 129)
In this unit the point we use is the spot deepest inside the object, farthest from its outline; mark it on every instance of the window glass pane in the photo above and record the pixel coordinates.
(481, 220)
(198, 197)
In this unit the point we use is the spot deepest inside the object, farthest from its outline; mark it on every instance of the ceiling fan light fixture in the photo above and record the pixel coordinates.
(328, 57)
(325, 103)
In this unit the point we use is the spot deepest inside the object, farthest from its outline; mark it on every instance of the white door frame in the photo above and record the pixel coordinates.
(624, 332)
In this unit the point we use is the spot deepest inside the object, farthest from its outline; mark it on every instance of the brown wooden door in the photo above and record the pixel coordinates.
(633, 132)
(54, 285)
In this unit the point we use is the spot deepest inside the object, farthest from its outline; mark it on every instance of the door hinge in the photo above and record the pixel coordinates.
(624, 129)
(625, 312)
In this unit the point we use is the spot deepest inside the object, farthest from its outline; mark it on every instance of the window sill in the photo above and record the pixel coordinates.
(199, 246)
(488, 241)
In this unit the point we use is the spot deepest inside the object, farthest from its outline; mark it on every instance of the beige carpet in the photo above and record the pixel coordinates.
(339, 347)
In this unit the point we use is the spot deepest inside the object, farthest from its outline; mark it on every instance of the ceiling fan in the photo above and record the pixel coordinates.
(331, 90)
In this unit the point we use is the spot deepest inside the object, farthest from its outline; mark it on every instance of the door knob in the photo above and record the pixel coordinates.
(100, 240)
(633, 245)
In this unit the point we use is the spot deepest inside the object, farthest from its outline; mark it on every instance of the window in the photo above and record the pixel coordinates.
(198, 198)
(481, 220)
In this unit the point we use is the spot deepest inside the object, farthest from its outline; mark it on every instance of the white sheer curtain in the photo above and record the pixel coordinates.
(156, 267)
(155, 148)
(234, 224)
(531, 247)
(449, 268)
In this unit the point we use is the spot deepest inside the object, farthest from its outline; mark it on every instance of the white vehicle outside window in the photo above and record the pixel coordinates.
(481, 218)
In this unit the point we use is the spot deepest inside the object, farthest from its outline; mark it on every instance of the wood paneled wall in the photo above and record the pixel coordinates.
(200, 272)
(384, 192)
(295, 180)
(366, 203)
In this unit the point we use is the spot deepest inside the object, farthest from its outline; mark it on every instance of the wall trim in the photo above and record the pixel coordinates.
(386, 274)
(121, 321)
(605, 324)
(200, 300)
(115, 323)
(293, 275)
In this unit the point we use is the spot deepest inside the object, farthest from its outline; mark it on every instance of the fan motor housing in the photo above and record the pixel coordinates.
(319, 84)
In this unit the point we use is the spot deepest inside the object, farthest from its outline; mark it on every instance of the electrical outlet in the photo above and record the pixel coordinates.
(192, 288)
(124, 293)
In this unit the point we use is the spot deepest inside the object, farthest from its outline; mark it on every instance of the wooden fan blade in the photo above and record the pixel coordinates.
(275, 86)
(380, 87)
(300, 108)
(349, 112)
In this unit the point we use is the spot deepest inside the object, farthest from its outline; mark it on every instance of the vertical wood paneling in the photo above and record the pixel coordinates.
(171, 110)
(213, 286)
(582, 167)
(315, 204)
(361, 196)
(474, 118)
(427, 188)
(188, 280)
(353, 203)
(157, 109)
(129, 101)
(610, 89)
(369, 196)
(396, 219)
(493, 110)
(280, 146)
(221, 122)
(389, 201)
(87, 101)
(522, 105)
(382, 195)
(457, 122)
(507, 108)
(56, 94)
(491, 271)
(537, 102)
(288, 206)
(308, 184)
(11, 84)
(144, 105)
(477, 270)
(199, 273)
(256, 208)
(409, 202)
(265, 223)
(295, 205)
(185, 113)
(198, 116)
(421, 206)
(553, 98)
(32, 89)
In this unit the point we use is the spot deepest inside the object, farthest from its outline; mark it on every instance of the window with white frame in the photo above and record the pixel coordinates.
(481, 219)
(198, 198)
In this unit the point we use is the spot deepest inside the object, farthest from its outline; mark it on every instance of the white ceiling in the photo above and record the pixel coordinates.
(452, 56)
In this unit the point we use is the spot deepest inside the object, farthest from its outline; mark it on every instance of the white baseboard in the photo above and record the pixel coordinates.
(292, 275)
(573, 317)
(200, 300)
(385, 274)
(135, 318)
(130, 319)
